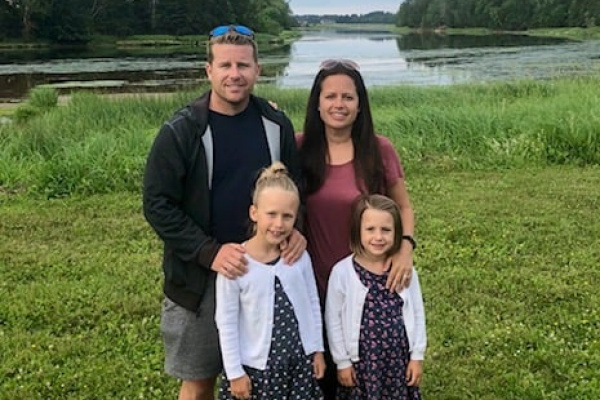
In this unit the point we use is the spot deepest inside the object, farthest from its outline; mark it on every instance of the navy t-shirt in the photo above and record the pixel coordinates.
(240, 152)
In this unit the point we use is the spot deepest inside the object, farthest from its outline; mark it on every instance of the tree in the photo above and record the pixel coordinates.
(9, 21)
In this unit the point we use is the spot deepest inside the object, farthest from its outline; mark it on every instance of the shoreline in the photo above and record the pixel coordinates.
(64, 98)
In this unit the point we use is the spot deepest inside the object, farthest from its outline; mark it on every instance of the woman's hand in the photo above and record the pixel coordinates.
(400, 266)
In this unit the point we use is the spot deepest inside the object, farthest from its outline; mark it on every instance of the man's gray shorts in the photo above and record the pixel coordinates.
(191, 340)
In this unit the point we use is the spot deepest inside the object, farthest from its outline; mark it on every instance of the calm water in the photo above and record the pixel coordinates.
(384, 59)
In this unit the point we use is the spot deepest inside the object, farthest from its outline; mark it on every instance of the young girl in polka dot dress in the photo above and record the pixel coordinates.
(269, 319)
(377, 338)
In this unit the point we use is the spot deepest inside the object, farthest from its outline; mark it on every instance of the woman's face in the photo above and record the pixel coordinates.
(338, 102)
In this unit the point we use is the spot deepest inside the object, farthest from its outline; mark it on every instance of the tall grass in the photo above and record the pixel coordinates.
(99, 145)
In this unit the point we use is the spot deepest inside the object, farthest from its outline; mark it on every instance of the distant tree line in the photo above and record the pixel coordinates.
(76, 21)
(376, 17)
(499, 14)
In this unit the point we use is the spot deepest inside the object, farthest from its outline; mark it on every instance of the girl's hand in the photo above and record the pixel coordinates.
(318, 365)
(241, 388)
(347, 376)
(414, 372)
(400, 265)
(293, 247)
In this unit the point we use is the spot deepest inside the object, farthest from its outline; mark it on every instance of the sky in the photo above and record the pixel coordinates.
(300, 7)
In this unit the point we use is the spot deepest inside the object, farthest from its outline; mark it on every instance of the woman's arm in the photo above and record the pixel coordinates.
(402, 261)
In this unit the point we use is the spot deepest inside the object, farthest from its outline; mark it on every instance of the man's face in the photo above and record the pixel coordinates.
(232, 74)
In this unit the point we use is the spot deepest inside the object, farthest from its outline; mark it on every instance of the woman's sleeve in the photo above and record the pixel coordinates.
(391, 161)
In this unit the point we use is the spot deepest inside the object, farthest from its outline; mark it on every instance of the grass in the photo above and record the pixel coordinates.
(96, 145)
(508, 263)
(504, 178)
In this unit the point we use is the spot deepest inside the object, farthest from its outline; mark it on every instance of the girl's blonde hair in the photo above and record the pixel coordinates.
(276, 175)
(374, 202)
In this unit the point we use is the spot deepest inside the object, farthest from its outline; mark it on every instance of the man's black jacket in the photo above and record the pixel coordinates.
(176, 194)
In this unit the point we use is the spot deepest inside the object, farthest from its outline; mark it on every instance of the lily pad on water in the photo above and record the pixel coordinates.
(86, 84)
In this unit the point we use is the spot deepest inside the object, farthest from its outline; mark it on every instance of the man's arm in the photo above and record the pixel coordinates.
(163, 191)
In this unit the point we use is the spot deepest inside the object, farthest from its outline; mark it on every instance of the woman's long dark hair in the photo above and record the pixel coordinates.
(368, 165)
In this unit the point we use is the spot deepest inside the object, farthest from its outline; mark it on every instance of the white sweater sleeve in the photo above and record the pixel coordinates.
(420, 333)
(309, 277)
(333, 320)
(227, 320)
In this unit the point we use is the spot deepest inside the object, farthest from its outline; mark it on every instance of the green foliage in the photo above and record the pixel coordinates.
(43, 97)
(500, 15)
(95, 144)
(92, 145)
(507, 262)
(41, 100)
(77, 21)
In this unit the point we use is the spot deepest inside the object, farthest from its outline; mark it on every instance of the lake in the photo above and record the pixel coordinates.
(384, 59)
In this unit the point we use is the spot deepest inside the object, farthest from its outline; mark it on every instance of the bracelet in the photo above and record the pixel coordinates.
(411, 240)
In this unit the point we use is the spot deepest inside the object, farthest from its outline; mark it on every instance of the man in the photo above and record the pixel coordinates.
(197, 192)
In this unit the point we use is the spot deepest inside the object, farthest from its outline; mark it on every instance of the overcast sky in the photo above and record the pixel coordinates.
(343, 6)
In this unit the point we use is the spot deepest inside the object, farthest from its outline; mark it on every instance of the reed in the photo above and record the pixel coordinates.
(96, 144)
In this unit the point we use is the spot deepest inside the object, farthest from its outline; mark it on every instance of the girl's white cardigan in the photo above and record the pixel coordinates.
(343, 313)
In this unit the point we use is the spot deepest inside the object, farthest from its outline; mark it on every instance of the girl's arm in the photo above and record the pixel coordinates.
(402, 261)
(313, 295)
(420, 332)
(333, 321)
(227, 317)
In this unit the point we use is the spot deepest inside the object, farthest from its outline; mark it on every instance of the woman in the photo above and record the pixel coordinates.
(341, 158)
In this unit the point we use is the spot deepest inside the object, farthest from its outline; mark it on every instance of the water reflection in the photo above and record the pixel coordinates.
(384, 59)
(435, 41)
(114, 71)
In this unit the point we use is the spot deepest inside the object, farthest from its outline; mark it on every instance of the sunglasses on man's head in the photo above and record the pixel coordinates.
(334, 63)
(222, 30)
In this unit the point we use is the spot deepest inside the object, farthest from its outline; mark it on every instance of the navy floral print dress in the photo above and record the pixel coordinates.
(383, 346)
(289, 372)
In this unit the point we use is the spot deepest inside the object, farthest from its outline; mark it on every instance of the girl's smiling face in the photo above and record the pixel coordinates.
(274, 215)
(377, 233)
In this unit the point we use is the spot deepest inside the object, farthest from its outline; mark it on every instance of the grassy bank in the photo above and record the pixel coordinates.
(508, 263)
(96, 145)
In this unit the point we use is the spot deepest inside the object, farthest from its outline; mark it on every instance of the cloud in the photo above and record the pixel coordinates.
(342, 7)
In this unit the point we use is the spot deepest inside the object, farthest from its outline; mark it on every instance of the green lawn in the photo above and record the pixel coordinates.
(508, 263)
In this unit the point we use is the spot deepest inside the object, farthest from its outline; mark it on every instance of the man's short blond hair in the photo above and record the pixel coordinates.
(231, 37)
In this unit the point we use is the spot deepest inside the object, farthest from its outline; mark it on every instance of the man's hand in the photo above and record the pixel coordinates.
(241, 388)
(293, 247)
(230, 261)
(347, 376)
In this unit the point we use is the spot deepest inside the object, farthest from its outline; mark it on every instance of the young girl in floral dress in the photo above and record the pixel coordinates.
(269, 319)
(377, 338)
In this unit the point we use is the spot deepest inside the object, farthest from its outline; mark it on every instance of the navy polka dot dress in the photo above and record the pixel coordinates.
(289, 373)
(383, 346)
